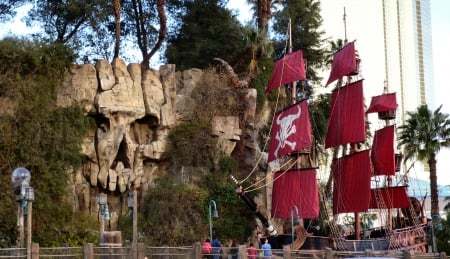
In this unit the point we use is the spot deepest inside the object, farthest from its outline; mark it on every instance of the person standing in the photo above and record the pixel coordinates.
(234, 250)
(207, 249)
(216, 248)
(252, 252)
(267, 249)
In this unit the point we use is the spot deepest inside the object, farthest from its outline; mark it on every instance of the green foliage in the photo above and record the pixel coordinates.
(214, 97)
(80, 231)
(77, 230)
(191, 141)
(63, 21)
(7, 8)
(37, 135)
(208, 30)
(262, 79)
(125, 223)
(442, 234)
(306, 34)
(191, 145)
(235, 221)
(319, 110)
(177, 214)
(424, 133)
(172, 214)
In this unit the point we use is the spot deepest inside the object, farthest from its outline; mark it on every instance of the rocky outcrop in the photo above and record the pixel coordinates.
(135, 111)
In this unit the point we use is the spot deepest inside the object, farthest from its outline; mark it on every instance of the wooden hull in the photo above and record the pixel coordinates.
(404, 239)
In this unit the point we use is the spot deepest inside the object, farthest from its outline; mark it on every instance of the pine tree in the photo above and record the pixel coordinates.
(208, 31)
(306, 34)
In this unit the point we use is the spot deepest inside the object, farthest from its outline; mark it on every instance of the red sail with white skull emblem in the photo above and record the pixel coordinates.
(291, 131)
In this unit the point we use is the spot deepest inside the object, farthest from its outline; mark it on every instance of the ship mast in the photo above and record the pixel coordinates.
(345, 27)
(386, 117)
(293, 86)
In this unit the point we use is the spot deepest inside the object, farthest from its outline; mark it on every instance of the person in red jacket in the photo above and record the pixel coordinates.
(207, 249)
(252, 252)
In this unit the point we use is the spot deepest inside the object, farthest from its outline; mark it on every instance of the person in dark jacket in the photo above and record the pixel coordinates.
(216, 248)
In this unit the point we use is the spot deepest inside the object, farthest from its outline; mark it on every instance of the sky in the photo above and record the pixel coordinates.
(440, 22)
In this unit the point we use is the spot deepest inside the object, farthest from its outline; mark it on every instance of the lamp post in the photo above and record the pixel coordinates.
(102, 200)
(212, 212)
(24, 196)
(132, 205)
(294, 222)
(29, 197)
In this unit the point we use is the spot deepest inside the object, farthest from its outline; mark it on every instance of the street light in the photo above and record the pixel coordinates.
(102, 200)
(294, 222)
(212, 214)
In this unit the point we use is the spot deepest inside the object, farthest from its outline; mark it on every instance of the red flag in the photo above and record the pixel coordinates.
(291, 131)
(351, 176)
(382, 103)
(296, 187)
(287, 70)
(347, 122)
(389, 198)
(383, 156)
(344, 63)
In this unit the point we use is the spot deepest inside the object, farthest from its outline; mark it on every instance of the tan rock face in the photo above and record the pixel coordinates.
(135, 112)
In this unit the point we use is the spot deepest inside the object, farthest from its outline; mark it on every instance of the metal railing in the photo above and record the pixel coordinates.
(147, 252)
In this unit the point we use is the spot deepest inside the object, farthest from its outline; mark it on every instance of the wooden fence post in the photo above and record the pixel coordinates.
(140, 250)
(88, 251)
(329, 253)
(242, 252)
(197, 250)
(287, 252)
(34, 251)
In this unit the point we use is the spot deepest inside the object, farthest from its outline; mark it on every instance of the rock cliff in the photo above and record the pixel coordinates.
(134, 112)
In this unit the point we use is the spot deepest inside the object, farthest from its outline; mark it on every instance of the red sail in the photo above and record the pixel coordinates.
(383, 155)
(352, 183)
(291, 131)
(347, 118)
(287, 70)
(344, 63)
(382, 103)
(389, 198)
(296, 187)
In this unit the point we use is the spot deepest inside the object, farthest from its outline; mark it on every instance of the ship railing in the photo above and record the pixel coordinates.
(408, 237)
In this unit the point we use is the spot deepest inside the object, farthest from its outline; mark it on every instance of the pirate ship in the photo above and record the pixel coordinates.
(363, 183)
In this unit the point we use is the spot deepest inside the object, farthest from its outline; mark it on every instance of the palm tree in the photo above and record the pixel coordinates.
(263, 12)
(421, 137)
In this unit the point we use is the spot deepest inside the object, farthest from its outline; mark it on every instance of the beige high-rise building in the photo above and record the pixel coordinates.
(393, 39)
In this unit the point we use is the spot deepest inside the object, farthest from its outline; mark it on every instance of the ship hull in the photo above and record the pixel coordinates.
(403, 239)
